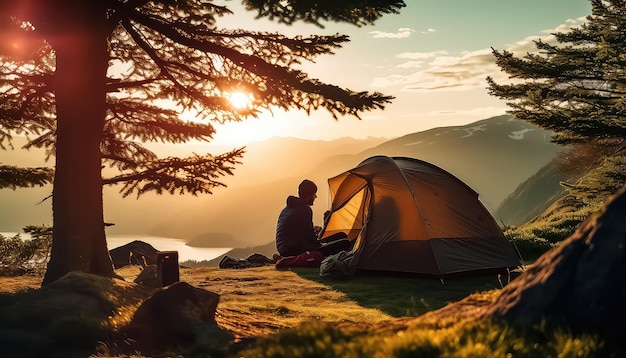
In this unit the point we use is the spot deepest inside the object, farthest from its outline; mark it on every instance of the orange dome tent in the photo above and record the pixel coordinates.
(407, 215)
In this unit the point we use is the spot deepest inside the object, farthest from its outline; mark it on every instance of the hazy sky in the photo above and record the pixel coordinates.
(433, 57)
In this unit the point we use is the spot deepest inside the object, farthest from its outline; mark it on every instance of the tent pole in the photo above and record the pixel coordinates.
(519, 254)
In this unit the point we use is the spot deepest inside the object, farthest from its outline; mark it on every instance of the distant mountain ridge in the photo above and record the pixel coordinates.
(493, 156)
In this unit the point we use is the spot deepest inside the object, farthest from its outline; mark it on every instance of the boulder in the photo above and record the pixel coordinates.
(179, 315)
(63, 319)
(580, 284)
(148, 277)
(134, 253)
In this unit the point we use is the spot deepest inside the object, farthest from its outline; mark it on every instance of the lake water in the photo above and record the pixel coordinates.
(185, 252)
(160, 243)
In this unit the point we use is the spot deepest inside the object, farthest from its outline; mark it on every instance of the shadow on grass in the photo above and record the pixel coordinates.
(402, 295)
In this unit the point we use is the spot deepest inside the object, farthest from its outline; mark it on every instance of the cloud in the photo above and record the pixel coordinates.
(438, 71)
(443, 73)
(402, 33)
(526, 45)
(568, 25)
(417, 59)
(429, 31)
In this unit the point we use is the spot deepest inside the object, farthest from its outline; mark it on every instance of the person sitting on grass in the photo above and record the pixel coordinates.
(295, 232)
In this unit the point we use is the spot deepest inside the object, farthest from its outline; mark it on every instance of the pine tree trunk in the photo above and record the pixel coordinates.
(79, 241)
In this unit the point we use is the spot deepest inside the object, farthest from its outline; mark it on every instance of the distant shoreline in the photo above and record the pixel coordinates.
(185, 252)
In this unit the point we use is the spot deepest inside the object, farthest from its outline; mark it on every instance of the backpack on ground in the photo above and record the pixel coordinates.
(338, 265)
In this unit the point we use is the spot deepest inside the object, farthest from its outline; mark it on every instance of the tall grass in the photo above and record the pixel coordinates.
(483, 339)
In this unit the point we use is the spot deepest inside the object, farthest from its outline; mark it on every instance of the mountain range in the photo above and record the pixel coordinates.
(494, 156)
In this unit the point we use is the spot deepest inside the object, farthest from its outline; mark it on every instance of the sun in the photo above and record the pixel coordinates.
(240, 100)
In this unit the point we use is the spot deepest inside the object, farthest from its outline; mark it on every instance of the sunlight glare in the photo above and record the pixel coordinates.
(240, 100)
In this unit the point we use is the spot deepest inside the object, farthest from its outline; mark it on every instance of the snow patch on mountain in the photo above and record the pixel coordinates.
(519, 135)
(471, 130)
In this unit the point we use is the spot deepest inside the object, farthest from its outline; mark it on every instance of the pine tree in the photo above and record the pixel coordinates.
(59, 87)
(576, 88)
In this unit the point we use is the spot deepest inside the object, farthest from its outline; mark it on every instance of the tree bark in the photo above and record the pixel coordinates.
(79, 40)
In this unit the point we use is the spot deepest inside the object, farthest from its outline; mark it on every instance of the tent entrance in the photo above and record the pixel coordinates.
(350, 218)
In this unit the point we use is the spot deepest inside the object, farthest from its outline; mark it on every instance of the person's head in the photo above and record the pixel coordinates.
(307, 190)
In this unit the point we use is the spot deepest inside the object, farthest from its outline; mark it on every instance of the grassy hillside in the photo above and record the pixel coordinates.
(294, 313)
(297, 313)
(262, 301)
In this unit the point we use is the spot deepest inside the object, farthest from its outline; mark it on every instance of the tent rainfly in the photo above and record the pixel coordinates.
(407, 215)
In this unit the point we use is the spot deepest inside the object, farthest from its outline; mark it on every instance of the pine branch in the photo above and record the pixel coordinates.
(333, 98)
(195, 175)
(355, 12)
(13, 177)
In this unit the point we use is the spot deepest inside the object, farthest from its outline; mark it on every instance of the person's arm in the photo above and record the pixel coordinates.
(308, 232)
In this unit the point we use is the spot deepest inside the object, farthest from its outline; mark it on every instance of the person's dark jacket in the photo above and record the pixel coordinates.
(294, 230)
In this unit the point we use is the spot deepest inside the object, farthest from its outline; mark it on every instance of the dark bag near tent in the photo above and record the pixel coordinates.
(231, 262)
(338, 265)
(254, 260)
